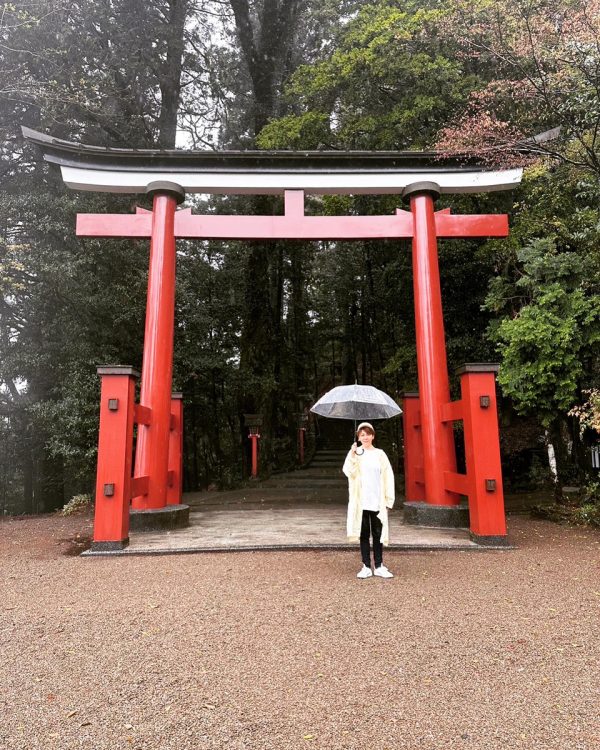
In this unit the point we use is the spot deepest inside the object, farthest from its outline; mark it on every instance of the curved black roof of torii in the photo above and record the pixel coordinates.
(121, 170)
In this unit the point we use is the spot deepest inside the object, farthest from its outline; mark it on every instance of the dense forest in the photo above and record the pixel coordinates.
(266, 328)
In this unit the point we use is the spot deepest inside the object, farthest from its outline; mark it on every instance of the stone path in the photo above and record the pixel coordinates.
(263, 521)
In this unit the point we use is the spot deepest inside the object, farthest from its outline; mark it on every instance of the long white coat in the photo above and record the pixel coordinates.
(351, 469)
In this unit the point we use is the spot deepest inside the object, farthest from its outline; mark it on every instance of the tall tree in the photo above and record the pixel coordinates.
(267, 33)
(93, 71)
(540, 72)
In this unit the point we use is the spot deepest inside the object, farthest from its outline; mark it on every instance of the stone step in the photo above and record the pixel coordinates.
(311, 478)
(306, 483)
(319, 471)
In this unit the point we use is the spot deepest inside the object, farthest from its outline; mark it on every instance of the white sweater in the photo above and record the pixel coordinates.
(351, 469)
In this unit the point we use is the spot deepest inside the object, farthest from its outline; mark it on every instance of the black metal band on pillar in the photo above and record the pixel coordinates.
(415, 188)
(164, 187)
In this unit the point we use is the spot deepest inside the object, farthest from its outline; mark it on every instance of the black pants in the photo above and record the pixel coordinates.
(371, 525)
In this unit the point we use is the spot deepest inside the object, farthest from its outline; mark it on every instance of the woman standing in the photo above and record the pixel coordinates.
(371, 492)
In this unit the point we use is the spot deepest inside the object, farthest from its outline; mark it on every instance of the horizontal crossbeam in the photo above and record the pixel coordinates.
(294, 226)
(142, 414)
(452, 411)
(455, 482)
(139, 486)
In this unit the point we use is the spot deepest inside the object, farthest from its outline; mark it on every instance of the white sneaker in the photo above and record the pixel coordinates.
(364, 572)
(383, 572)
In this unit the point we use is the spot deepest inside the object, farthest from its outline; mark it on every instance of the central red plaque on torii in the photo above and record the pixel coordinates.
(430, 462)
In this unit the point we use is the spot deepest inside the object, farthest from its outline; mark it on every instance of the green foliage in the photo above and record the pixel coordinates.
(588, 413)
(544, 295)
(538, 64)
(77, 504)
(544, 346)
(295, 131)
(388, 84)
(588, 514)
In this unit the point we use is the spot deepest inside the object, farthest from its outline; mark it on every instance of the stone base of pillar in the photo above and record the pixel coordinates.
(160, 519)
(491, 541)
(109, 546)
(440, 516)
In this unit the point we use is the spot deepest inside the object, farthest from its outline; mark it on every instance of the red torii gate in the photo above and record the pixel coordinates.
(433, 486)
(164, 224)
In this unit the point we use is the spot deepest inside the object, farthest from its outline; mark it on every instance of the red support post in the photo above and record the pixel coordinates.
(434, 390)
(152, 451)
(414, 487)
(482, 451)
(174, 489)
(115, 454)
(254, 437)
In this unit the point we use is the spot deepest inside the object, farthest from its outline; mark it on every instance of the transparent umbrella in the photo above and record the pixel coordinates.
(357, 402)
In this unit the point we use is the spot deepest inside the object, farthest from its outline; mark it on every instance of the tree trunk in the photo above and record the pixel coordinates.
(170, 77)
(265, 49)
(558, 436)
(264, 46)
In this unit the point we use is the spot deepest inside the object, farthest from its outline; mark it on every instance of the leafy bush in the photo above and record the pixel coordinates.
(77, 504)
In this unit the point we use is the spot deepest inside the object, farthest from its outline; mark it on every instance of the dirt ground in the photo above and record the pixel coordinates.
(496, 649)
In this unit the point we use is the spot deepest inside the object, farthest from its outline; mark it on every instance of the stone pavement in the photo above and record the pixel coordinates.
(268, 518)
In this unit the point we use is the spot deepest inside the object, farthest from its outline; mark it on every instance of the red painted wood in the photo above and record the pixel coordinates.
(115, 447)
(142, 414)
(434, 391)
(254, 471)
(482, 452)
(152, 451)
(301, 434)
(413, 449)
(175, 467)
(452, 411)
(114, 225)
(457, 482)
(294, 225)
(139, 486)
(430, 443)
(492, 225)
(294, 203)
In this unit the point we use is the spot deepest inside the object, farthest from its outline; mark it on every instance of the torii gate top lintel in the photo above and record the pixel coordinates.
(118, 170)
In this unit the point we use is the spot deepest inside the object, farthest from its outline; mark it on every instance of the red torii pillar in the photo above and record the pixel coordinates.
(152, 451)
(436, 451)
(434, 387)
(433, 488)
(158, 427)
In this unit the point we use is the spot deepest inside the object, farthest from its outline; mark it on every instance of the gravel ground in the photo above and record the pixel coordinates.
(289, 650)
